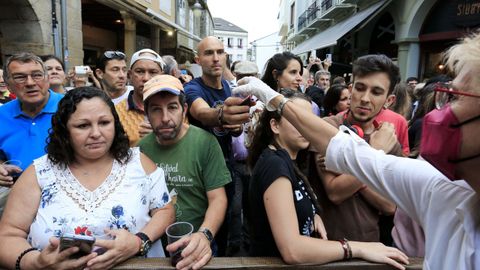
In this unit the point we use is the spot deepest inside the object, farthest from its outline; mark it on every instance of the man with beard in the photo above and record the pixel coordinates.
(351, 209)
(193, 162)
(144, 65)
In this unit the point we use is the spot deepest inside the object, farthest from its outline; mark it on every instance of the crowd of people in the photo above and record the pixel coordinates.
(282, 163)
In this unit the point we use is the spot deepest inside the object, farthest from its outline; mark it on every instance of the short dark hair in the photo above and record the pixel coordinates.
(278, 62)
(103, 59)
(372, 63)
(51, 56)
(59, 148)
(409, 79)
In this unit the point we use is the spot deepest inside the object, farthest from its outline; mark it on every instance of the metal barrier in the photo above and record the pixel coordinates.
(262, 263)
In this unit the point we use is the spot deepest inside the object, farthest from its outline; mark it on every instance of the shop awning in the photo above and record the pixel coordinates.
(330, 36)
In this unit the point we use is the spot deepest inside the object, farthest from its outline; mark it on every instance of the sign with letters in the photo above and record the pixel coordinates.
(467, 13)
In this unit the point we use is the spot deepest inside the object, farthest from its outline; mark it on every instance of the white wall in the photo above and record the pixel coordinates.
(264, 48)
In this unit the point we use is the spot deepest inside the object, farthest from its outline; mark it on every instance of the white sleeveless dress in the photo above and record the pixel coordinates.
(122, 201)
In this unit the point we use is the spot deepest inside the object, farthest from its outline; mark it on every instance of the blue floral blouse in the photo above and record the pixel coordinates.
(122, 201)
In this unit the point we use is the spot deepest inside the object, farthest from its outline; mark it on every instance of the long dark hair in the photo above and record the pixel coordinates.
(278, 62)
(403, 102)
(59, 148)
(263, 136)
(332, 97)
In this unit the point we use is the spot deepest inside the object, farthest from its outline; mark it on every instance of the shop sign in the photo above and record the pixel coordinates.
(467, 13)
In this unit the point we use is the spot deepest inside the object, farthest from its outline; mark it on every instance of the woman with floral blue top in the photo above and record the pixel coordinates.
(89, 183)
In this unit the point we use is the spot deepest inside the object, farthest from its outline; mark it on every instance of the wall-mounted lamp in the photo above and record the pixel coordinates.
(197, 9)
(170, 33)
(440, 66)
(118, 21)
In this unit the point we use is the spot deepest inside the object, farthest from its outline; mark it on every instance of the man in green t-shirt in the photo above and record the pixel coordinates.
(193, 162)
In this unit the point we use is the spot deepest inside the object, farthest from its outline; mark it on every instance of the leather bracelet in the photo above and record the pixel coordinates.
(350, 254)
(221, 121)
(347, 250)
(19, 258)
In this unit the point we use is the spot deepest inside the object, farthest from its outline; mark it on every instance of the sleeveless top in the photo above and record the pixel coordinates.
(122, 201)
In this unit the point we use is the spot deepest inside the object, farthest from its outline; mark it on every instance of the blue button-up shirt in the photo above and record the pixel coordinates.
(23, 137)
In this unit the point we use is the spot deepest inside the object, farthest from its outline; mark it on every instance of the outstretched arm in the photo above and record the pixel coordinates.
(299, 249)
(230, 114)
(409, 189)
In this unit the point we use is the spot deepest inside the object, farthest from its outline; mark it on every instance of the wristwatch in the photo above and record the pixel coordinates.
(207, 233)
(146, 244)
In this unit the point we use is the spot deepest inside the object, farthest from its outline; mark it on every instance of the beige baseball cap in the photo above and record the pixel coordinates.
(246, 67)
(162, 83)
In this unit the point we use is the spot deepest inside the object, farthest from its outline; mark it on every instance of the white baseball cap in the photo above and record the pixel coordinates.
(147, 54)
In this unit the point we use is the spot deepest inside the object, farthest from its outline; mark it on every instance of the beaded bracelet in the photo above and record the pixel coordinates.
(19, 258)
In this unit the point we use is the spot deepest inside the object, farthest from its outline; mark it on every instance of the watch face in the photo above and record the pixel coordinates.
(146, 246)
(208, 234)
(146, 243)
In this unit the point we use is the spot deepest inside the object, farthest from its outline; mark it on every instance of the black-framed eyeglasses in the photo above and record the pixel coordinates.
(114, 54)
(445, 94)
(22, 78)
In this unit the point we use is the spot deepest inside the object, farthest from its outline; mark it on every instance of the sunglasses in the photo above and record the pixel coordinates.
(114, 54)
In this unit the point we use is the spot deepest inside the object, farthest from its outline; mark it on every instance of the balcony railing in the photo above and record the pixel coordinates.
(308, 16)
(326, 4)
(302, 20)
(317, 10)
(312, 12)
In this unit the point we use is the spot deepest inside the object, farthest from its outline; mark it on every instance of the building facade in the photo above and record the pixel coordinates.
(83, 29)
(412, 32)
(234, 38)
(264, 48)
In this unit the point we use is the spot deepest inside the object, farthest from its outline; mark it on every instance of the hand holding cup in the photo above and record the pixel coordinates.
(176, 232)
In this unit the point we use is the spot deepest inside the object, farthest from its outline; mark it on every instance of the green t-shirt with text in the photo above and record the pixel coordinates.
(193, 166)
